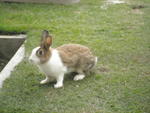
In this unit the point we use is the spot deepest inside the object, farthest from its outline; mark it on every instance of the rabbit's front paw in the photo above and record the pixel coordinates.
(45, 81)
(58, 85)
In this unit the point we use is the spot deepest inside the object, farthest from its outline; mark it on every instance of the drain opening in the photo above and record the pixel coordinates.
(9, 33)
(8, 47)
(11, 53)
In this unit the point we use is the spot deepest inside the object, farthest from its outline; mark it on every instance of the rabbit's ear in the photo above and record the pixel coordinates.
(45, 34)
(46, 41)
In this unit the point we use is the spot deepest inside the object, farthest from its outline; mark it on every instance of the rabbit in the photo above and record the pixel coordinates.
(56, 62)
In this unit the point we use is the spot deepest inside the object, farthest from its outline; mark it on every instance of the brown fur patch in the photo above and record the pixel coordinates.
(76, 56)
(103, 69)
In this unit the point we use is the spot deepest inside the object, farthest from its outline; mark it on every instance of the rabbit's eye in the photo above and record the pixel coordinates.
(40, 53)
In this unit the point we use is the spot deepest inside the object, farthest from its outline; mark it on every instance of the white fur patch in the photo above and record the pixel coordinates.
(54, 66)
(33, 58)
(96, 59)
(58, 85)
(78, 77)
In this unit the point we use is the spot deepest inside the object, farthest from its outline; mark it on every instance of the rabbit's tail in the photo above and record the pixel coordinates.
(96, 60)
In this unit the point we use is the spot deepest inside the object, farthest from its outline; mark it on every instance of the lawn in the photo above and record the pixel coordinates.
(118, 35)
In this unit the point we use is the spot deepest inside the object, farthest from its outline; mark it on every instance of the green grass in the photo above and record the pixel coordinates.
(119, 36)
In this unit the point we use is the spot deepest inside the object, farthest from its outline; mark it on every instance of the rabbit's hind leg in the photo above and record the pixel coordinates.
(79, 76)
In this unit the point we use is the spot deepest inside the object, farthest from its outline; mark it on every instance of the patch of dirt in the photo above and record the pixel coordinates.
(136, 9)
(103, 69)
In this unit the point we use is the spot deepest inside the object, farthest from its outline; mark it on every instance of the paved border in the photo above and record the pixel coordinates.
(45, 1)
(14, 61)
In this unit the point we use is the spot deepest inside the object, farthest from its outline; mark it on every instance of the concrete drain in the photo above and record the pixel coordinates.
(11, 53)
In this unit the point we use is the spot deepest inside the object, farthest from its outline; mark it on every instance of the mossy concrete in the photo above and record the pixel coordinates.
(8, 47)
(45, 1)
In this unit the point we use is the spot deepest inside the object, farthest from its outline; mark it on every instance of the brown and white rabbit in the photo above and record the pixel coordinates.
(55, 63)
